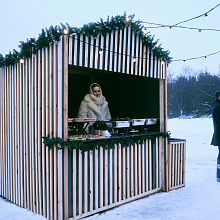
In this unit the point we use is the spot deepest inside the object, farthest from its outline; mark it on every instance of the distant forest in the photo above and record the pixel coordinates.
(191, 93)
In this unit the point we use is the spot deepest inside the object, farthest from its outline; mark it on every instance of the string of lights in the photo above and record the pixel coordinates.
(177, 25)
(195, 58)
(134, 58)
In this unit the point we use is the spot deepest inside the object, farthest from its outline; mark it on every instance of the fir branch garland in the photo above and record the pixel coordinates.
(105, 143)
(53, 34)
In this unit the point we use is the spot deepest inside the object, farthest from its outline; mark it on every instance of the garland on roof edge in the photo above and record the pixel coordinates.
(105, 143)
(53, 34)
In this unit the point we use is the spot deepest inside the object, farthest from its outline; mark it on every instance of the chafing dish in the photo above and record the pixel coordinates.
(138, 122)
(151, 121)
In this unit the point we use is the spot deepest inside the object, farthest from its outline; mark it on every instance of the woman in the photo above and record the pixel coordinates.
(94, 105)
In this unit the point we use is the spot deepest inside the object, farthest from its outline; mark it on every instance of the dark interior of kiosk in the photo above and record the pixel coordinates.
(128, 96)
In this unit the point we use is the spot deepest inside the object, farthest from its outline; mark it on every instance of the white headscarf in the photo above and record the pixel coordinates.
(98, 101)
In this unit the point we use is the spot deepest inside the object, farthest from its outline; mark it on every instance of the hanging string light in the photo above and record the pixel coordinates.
(177, 25)
(195, 58)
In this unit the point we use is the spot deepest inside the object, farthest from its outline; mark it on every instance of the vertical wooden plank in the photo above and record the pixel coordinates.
(128, 169)
(36, 137)
(21, 135)
(39, 128)
(65, 122)
(17, 201)
(176, 165)
(181, 164)
(115, 173)
(80, 185)
(70, 57)
(101, 52)
(184, 162)
(27, 153)
(132, 170)
(161, 161)
(169, 152)
(133, 53)
(173, 165)
(119, 66)
(47, 124)
(10, 172)
(147, 74)
(14, 158)
(33, 126)
(96, 179)
(147, 171)
(150, 164)
(135, 170)
(137, 51)
(124, 51)
(151, 65)
(86, 51)
(43, 124)
(106, 175)
(140, 59)
(85, 173)
(81, 50)
(30, 122)
(155, 68)
(60, 124)
(91, 177)
(115, 57)
(144, 60)
(139, 167)
(51, 164)
(75, 37)
(157, 163)
(119, 173)
(1, 128)
(101, 187)
(143, 168)
(111, 54)
(128, 51)
(91, 52)
(123, 173)
(55, 128)
(74, 183)
(106, 52)
(96, 55)
(110, 177)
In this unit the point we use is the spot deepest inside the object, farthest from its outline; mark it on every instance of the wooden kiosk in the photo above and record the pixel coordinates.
(39, 95)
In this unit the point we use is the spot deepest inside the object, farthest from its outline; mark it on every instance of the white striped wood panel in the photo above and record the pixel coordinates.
(176, 164)
(31, 106)
(117, 52)
(104, 178)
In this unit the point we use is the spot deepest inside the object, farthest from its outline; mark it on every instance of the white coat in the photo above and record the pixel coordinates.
(91, 109)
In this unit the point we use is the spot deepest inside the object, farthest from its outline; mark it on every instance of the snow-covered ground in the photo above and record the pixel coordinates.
(198, 200)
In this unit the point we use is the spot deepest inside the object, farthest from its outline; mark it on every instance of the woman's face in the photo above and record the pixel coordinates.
(96, 91)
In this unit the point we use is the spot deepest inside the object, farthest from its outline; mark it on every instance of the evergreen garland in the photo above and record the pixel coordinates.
(91, 29)
(105, 143)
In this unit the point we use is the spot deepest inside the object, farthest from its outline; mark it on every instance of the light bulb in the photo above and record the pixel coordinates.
(169, 28)
(65, 31)
(21, 60)
(100, 51)
(206, 17)
(134, 59)
(127, 19)
(199, 31)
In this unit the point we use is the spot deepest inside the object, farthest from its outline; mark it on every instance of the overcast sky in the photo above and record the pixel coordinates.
(23, 19)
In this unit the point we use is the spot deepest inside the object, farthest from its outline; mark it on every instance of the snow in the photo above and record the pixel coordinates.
(198, 200)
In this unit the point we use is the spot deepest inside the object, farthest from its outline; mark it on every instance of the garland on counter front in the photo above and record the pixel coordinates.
(108, 143)
(94, 29)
